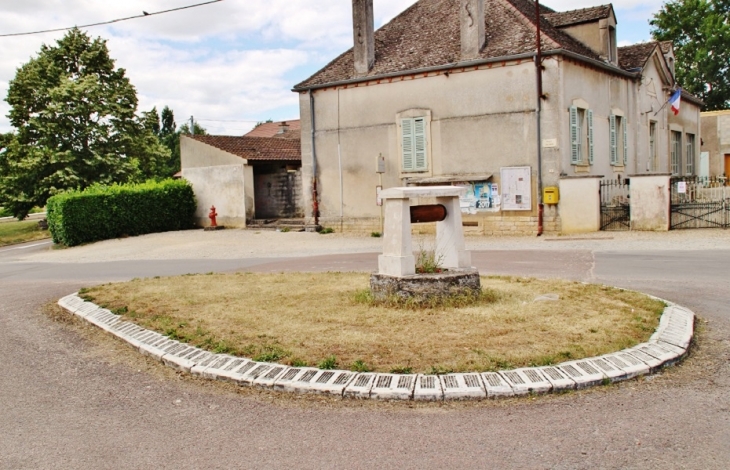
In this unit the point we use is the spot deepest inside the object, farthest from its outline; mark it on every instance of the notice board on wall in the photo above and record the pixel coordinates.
(516, 188)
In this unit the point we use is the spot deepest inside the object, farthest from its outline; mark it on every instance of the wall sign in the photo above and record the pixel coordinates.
(516, 188)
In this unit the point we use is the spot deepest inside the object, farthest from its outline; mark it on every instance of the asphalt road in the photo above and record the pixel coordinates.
(72, 397)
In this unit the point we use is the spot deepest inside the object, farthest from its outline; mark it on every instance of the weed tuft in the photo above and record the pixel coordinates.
(360, 366)
(329, 362)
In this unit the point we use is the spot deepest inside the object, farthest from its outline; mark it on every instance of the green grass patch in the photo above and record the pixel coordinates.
(12, 233)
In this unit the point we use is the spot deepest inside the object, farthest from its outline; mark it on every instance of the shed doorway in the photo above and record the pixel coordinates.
(278, 191)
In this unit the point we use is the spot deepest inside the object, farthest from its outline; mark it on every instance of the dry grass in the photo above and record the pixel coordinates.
(15, 232)
(318, 319)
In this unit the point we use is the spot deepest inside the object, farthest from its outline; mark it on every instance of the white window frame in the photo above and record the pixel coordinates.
(618, 139)
(414, 144)
(690, 146)
(653, 126)
(581, 134)
(675, 152)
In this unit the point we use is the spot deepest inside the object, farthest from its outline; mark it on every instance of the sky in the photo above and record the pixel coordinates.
(228, 64)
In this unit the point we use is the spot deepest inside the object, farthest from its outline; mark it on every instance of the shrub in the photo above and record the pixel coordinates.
(103, 212)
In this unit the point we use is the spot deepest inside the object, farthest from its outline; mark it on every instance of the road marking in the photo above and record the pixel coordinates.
(24, 247)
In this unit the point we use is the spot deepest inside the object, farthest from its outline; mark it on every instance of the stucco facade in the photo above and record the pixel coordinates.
(480, 117)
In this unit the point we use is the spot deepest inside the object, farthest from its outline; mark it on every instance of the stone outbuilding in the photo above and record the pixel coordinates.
(244, 177)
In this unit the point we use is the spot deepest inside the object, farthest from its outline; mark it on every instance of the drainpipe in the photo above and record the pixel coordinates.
(315, 196)
(538, 110)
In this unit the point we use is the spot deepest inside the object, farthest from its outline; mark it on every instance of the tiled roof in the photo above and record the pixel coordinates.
(666, 46)
(584, 15)
(428, 35)
(254, 148)
(636, 55)
(271, 129)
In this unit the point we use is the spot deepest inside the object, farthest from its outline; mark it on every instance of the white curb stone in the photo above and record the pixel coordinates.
(71, 302)
(260, 369)
(628, 364)
(613, 373)
(85, 309)
(667, 345)
(651, 361)
(295, 379)
(361, 386)
(332, 382)
(582, 373)
(200, 367)
(393, 387)
(557, 379)
(428, 388)
(230, 371)
(216, 366)
(268, 379)
(665, 352)
(526, 380)
(462, 386)
(675, 327)
(496, 386)
(180, 360)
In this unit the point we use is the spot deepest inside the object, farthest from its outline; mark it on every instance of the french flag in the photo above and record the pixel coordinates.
(675, 99)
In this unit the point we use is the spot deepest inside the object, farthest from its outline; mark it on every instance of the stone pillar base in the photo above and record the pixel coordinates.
(422, 287)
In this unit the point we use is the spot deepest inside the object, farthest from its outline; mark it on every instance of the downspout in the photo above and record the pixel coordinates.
(315, 196)
(538, 110)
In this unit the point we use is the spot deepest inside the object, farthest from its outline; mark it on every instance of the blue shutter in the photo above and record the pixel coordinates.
(625, 126)
(408, 147)
(589, 115)
(575, 155)
(612, 139)
(419, 137)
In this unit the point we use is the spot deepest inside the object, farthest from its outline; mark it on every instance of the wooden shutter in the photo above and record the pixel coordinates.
(419, 137)
(407, 127)
(574, 136)
(625, 126)
(589, 116)
(612, 139)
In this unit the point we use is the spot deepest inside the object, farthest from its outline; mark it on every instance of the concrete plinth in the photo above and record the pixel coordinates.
(421, 287)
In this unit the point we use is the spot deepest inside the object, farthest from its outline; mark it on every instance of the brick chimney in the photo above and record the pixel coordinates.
(364, 35)
(283, 127)
(471, 15)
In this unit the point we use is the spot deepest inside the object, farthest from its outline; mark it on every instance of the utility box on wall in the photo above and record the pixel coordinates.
(551, 195)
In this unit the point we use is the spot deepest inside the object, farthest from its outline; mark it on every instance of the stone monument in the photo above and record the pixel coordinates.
(397, 265)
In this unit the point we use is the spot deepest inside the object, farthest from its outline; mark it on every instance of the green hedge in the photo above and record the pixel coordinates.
(104, 212)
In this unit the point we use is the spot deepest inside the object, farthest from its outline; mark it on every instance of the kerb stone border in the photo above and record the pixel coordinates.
(668, 345)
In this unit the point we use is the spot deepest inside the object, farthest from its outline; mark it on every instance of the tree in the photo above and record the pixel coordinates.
(75, 124)
(700, 31)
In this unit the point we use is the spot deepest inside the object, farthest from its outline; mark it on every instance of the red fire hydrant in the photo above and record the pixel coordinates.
(212, 215)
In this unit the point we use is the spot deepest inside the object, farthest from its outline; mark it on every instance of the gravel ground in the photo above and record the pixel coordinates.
(240, 244)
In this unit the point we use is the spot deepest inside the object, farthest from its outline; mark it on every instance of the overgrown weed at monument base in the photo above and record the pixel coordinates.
(306, 318)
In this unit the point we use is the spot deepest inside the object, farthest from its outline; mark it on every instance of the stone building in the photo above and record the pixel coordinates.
(245, 177)
(447, 93)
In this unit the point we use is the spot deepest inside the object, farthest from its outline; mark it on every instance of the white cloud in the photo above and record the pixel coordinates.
(232, 60)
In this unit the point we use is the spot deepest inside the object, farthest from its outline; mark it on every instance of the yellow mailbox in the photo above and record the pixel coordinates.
(550, 195)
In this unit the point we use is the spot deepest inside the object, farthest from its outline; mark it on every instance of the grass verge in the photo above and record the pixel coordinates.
(326, 320)
(12, 233)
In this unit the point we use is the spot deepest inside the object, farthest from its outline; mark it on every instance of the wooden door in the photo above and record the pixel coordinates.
(727, 168)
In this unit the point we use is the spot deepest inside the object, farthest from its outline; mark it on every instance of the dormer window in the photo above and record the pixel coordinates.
(612, 45)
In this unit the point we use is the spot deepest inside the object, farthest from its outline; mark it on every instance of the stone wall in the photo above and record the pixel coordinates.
(278, 191)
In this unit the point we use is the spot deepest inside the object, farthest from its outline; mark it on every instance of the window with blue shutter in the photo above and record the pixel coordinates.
(575, 137)
(625, 126)
(613, 139)
(408, 132)
(589, 118)
(414, 144)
